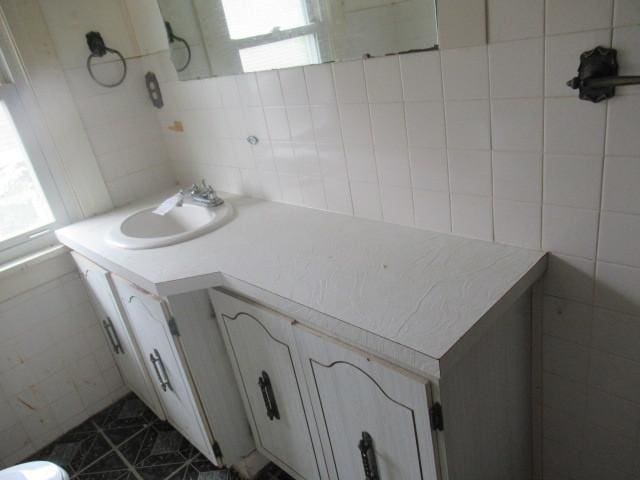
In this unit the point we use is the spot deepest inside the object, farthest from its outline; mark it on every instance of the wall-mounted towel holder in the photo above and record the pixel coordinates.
(598, 75)
(99, 49)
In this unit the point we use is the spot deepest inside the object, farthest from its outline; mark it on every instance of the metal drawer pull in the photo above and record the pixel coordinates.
(368, 455)
(162, 377)
(267, 395)
(113, 335)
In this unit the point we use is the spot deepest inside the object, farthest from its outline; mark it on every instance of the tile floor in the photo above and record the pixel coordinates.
(126, 441)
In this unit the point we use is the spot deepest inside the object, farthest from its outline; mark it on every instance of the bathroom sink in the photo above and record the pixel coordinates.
(145, 229)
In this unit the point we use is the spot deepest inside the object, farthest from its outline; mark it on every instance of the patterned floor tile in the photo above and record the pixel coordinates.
(156, 445)
(75, 449)
(110, 467)
(153, 449)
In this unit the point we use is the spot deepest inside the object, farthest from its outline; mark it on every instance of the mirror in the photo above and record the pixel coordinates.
(226, 37)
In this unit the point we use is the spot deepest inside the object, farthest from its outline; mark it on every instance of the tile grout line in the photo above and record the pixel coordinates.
(118, 452)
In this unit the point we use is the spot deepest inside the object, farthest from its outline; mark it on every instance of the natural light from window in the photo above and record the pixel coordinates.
(292, 52)
(23, 206)
(250, 18)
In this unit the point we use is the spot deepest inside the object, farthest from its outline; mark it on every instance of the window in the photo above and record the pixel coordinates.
(277, 34)
(30, 205)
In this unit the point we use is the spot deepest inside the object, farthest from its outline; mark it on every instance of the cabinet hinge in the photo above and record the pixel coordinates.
(217, 451)
(437, 420)
(173, 327)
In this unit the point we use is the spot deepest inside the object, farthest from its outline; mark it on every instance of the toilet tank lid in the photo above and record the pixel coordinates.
(34, 471)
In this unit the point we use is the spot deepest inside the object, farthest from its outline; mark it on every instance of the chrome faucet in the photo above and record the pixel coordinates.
(205, 195)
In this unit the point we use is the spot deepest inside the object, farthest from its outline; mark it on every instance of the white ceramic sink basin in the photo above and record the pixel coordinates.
(145, 229)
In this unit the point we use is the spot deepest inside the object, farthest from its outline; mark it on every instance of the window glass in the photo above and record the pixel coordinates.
(292, 52)
(250, 18)
(23, 205)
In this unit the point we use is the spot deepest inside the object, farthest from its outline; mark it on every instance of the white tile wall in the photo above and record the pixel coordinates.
(483, 141)
(55, 366)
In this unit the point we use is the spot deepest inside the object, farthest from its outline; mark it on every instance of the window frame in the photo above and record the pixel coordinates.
(13, 87)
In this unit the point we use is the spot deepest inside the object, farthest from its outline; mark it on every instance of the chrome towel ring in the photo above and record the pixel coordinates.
(99, 49)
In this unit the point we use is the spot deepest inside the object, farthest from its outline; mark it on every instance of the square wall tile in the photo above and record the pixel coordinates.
(300, 124)
(564, 395)
(387, 121)
(517, 223)
(349, 82)
(326, 124)
(618, 287)
(425, 124)
(421, 76)
(563, 57)
(516, 68)
(338, 194)
(294, 87)
(361, 163)
(574, 126)
(366, 200)
(517, 125)
(517, 176)
(269, 86)
(564, 16)
(290, 186)
(383, 79)
(332, 161)
(619, 239)
(626, 12)
(277, 123)
(470, 172)
(472, 216)
(432, 210)
(570, 277)
(625, 41)
(229, 92)
(621, 179)
(571, 231)
(393, 166)
(622, 128)
(468, 124)
(465, 73)
(320, 88)
(248, 89)
(573, 180)
(429, 169)
(355, 122)
(515, 19)
(397, 205)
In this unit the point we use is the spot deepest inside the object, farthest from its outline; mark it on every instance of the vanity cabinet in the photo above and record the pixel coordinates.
(152, 327)
(123, 347)
(373, 419)
(269, 373)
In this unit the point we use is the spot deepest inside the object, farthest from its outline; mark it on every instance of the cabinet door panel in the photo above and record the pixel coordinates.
(123, 348)
(267, 367)
(355, 397)
(148, 319)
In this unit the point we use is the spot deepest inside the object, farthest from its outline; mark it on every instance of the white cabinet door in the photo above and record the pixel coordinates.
(149, 321)
(373, 420)
(268, 371)
(124, 350)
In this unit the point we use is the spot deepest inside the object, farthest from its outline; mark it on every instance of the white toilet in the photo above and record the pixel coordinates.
(34, 471)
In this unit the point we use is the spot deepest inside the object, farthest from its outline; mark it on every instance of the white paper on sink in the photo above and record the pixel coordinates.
(169, 204)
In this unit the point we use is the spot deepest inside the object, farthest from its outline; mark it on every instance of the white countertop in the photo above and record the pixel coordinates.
(407, 288)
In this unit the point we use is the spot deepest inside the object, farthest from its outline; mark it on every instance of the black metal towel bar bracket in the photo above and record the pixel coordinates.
(598, 75)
